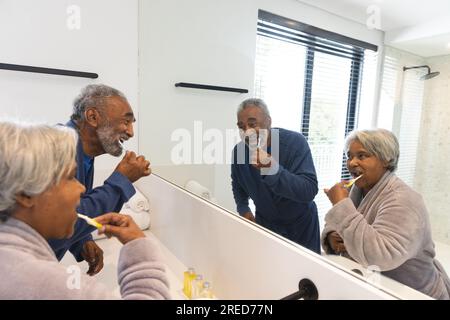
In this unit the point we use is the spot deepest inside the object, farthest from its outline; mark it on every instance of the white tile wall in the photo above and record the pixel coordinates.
(433, 166)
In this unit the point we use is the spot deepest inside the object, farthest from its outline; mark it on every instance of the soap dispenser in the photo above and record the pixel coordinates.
(189, 277)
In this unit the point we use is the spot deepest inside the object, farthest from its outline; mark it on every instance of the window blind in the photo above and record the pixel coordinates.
(411, 114)
(388, 94)
(401, 108)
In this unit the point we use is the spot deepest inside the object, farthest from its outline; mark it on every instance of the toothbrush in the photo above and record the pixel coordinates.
(351, 182)
(90, 221)
(123, 147)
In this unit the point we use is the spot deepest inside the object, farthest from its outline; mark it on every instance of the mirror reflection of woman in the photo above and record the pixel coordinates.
(381, 222)
(39, 195)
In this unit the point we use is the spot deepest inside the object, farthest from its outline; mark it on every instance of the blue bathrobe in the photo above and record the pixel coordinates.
(283, 200)
(109, 197)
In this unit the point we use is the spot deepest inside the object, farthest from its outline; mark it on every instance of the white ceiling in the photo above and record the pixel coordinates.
(427, 47)
(394, 13)
(425, 22)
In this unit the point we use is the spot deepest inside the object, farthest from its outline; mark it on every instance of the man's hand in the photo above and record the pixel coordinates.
(337, 193)
(249, 216)
(93, 256)
(336, 243)
(260, 159)
(134, 167)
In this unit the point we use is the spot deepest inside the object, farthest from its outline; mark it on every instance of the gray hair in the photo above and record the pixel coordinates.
(94, 95)
(381, 143)
(254, 102)
(33, 157)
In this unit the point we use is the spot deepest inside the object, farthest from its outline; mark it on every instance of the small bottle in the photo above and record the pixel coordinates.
(197, 286)
(189, 277)
(206, 292)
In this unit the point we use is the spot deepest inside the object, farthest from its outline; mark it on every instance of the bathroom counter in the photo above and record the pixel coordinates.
(375, 278)
(192, 232)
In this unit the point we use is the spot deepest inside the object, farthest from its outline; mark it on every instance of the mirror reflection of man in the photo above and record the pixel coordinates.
(281, 186)
(103, 119)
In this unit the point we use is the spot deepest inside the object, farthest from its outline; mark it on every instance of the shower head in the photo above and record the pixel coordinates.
(427, 76)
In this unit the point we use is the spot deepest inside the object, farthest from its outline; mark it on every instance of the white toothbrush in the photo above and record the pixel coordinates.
(351, 182)
(90, 221)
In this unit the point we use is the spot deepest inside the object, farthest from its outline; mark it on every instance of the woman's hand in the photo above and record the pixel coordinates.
(120, 226)
(337, 193)
(336, 243)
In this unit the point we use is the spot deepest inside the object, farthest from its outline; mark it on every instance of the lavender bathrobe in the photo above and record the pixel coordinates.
(29, 269)
(390, 228)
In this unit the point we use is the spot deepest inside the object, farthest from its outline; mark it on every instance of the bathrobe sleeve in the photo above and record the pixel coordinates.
(141, 276)
(393, 237)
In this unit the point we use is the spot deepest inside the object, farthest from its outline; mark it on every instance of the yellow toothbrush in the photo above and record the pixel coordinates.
(351, 182)
(90, 221)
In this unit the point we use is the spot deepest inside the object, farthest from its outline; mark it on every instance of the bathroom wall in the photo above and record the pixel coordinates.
(40, 33)
(400, 108)
(418, 112)
(207, 42)
(433, 165)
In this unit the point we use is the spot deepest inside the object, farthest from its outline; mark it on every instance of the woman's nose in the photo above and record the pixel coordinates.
(352, 162)
(82, 188)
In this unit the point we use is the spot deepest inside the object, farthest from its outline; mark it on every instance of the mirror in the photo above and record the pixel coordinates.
(217, 43)
(198, 42)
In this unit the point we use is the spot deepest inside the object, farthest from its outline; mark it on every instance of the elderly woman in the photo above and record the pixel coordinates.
(382, 222)
(38, 199)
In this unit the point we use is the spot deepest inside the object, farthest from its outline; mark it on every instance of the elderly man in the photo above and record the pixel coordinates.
(281, 180)
(103, 119)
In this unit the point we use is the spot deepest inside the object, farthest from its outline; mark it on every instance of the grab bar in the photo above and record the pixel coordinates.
(61, 72)
(209, 87)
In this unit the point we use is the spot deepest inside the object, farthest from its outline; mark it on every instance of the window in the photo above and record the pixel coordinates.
(312, 81)
(401, 107)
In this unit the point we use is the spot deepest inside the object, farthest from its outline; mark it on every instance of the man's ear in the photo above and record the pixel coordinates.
(269, 122)
(24, 200)
(92, 117)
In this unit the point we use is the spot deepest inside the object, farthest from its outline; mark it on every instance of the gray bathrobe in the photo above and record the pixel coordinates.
(390, 228)
(30, 270)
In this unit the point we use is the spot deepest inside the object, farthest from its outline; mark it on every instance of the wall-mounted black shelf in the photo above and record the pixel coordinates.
(61, 72)
(209, 87)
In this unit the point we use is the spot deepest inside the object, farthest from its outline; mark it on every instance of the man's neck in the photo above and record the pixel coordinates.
(89, 140)
(269, 137)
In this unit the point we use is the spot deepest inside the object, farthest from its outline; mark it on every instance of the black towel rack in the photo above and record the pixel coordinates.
(209, 87)
(61, 72)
